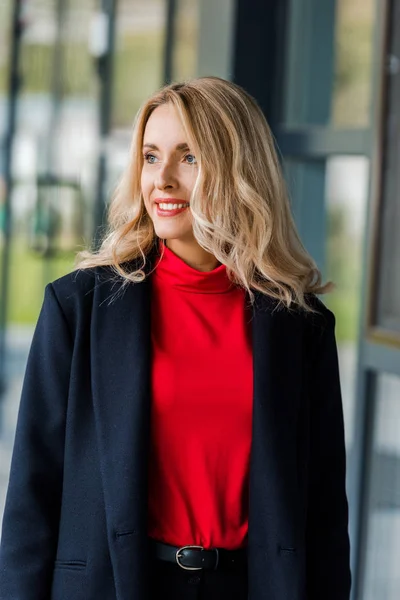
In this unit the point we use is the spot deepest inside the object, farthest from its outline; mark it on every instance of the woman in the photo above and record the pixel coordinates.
(180, 433)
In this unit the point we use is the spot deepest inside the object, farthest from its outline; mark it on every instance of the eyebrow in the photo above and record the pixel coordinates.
(182, 146)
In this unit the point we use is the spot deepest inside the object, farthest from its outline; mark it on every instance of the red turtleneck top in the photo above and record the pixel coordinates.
(201, 419)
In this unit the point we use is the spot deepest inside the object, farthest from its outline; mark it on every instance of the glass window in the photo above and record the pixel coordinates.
(382, 573)
(37, 48)
(308, 59)
(5, 25)
(55, 149)
(329, 63)
(346, 193)
(139, 56)
(388, 271)
(54, 146)
(186, 32)
(5, 22)
(353, 62)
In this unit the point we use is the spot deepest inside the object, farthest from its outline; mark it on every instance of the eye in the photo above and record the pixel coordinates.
(191, 159)
(150, 158)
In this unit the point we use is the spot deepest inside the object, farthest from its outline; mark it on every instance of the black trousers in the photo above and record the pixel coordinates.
(171, 582)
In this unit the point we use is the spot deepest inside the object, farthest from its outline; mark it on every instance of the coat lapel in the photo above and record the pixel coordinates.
(277, 340)
(120, 355)
(273, 493)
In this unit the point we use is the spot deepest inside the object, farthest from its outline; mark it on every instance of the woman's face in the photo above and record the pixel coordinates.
(168, 175)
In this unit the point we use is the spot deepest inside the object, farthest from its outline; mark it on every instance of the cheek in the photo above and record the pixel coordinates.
(189, 181)
(145, 184)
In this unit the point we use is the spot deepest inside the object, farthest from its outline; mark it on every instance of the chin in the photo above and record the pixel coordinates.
(174, 233)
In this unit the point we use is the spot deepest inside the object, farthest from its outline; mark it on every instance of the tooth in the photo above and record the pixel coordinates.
(168, 206)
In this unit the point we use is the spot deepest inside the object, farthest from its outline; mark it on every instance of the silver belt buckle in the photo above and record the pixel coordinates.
(178, 556)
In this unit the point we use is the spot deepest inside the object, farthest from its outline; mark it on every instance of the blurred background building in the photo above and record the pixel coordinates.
(327, 74)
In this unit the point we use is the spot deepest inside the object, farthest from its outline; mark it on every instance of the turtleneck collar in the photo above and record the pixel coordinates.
(170, 268)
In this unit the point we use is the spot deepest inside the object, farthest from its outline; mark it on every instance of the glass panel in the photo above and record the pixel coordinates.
(54, 167)
(55, 149)
(329, 43)
(5, 44)
(382, 574)
(353, 60)
(389, 270)
(388, 308)
(309, 58)
(186, 34)
(5, 22)
(346, 195)
(138, 65)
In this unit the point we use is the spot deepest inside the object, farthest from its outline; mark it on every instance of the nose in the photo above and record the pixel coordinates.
(165, 178)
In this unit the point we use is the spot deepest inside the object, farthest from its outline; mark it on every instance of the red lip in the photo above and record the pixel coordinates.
(170, 201)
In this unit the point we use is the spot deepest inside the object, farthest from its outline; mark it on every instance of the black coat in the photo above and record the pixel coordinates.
(75, 522)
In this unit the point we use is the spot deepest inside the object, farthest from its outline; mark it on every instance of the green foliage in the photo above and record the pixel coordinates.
(5, 20)
(344, 269)
(137, 73)
(29, 273)
(139, 55)
(352, 81)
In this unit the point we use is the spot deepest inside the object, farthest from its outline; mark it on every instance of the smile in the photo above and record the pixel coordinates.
(165, 209)
(168, 206)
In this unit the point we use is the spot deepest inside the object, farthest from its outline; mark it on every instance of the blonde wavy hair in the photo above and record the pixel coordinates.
(240, 206)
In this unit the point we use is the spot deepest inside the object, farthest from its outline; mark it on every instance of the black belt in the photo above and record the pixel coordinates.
(194, 558)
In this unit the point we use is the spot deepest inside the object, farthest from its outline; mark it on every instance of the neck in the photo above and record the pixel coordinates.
(194, 255)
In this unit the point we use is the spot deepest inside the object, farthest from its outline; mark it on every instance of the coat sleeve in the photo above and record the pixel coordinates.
(32, 510)
(328, 548)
